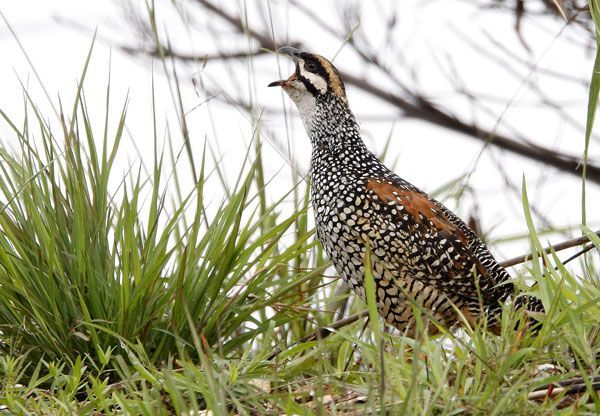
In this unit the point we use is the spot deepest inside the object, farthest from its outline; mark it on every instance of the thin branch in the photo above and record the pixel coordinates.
(579, 253)
(427, 111)
(422, 108)
(558, 247)
(167, 52)
(568, 387)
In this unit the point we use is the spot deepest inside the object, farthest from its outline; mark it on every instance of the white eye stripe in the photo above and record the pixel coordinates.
(316, 80)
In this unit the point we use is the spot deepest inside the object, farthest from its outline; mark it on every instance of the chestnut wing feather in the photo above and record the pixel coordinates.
(435, 246)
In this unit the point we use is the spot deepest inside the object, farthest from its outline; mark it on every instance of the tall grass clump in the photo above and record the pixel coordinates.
(87, 270)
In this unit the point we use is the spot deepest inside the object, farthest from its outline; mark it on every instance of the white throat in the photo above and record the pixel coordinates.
(306, 104)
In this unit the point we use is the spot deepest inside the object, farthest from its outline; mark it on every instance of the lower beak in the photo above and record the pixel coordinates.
(283, 83)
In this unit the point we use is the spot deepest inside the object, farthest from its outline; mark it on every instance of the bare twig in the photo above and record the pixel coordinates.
(568, 387)
(519, 12)
(422, 108)
(425, 110)
(579, 253)
(166, 52)
(558, 247)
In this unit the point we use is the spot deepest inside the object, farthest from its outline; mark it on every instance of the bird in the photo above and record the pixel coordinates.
(426, 263)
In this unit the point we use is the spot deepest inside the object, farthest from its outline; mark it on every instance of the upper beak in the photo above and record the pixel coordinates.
(294, 54)
(290, 51)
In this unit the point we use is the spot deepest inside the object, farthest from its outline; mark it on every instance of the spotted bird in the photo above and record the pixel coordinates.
(423, 257)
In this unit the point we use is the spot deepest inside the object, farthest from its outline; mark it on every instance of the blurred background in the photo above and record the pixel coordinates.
(465, 99)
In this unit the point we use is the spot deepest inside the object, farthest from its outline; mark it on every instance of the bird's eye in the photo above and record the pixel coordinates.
(310, 66)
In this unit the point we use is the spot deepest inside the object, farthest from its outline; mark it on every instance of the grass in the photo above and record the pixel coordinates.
(128, 299)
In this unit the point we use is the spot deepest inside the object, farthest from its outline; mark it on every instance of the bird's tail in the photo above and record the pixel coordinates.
(531, 304)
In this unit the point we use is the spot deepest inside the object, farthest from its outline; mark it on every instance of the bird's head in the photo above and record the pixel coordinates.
(314, 79)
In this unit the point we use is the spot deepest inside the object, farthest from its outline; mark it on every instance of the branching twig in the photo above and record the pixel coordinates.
(422, 108)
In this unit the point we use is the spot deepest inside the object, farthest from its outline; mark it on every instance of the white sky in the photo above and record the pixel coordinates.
(57, 35)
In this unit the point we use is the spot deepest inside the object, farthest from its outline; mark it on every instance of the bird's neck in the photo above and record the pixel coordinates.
(333, 128)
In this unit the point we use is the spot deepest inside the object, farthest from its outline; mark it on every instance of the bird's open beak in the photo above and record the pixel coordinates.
(283, 82)
(293, 53)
